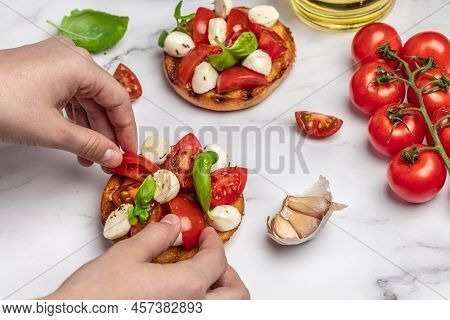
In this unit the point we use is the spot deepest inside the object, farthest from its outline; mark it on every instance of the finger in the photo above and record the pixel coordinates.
(80, 118)
(154, 239)
(229, 286)
(98, 119)
(69, 112)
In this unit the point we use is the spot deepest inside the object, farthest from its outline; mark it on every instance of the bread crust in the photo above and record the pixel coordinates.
(173, 254)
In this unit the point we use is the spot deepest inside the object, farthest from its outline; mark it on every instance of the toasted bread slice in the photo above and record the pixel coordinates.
(173, 254)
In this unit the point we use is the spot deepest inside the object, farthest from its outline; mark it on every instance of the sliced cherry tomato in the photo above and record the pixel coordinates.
(239, 78)
(420, 181)
(269, 41)
(237, 20)
(227, 184)
(201, 24)
(191, 218)
(370, 37)
(129, 81)
(181, 159)
(391, 132)
(443, 130)
(126, 193)
(135, 167)
(317, 125)
(193, 59)
(439, 99)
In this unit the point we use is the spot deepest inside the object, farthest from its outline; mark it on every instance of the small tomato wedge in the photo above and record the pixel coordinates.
(125, 194)
(269, 41)
(193, 59)
(181, 159)
(201, 23)
(237, 20)
(129, 81)
(135, 167)
(239, 78)
(191, 218)
(227, 184)
(317, 125)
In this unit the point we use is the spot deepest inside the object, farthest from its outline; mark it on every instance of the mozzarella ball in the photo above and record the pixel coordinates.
(178, 44)
(224, 218)
(205, 78)
(265, 15)
(217, 29)
(117, 225)
(223, 161)
(167, 186)
(258, 61)
(223, 7)
(155, 149)
(178, 241)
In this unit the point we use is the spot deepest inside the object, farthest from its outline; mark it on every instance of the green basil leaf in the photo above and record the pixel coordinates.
(143, 216)
(244, 45)
(162, 38)
(145, 192)
(222, 60)
(93, 30)
(181, 20)
(202, 177)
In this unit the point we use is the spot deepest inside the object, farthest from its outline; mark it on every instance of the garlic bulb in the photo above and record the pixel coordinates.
(303, 216)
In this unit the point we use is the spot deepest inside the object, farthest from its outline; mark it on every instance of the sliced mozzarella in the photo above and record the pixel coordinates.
(217, 29)
(224, 218)
(258, 61)
(223, 161)
(223, 7)
(178, 44)
(155, 149)
(117, 224)
(265, 15)
(167, 186)
(205, 78)
(178, 241)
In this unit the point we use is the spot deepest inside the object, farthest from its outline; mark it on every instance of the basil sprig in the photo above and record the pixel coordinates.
(202, 177)
(141, 206)
(181, 20)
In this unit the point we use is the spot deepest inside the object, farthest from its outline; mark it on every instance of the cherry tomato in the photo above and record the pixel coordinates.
(181, 159)
(126, 193)
(201, 24)
(428, 45)
(239, 78)
(443, 130)
(272, 43)
(370, 37)
(420, 181)
(191, 218)
(237, 20)
(367, 95)
(390, 131)
(317, 125)
(433, 101)
(227, 184)
(193, 59)
(129, 81)
(135, 167)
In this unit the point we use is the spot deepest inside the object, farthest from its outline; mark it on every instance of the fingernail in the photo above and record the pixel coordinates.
(171, 219)
(111, 158)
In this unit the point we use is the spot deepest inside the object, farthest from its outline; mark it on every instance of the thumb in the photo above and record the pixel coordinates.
(154, 239)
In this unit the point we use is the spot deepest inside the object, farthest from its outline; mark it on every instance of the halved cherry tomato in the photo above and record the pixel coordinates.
(157, 212)
(237, 20)
(193, 59)
(201, 24)
(129, 81)
(181, 159)
(239, 78)
(269, 40)
(191, 218)
(317, 125)
(227, 184)
(126, 193)
(135, 167)
(443, 129)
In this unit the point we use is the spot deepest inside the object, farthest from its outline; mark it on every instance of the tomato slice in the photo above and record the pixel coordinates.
(269, 41)
(193, 59)
(237, 20)
(317, 125)
(191, 217)
(201, 23)
(227, 184)
(135, 167)
(129, 81)
(181, 159)
(126, 193)
(239, 78)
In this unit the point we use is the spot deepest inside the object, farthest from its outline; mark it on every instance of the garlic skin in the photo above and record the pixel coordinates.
(117, 225)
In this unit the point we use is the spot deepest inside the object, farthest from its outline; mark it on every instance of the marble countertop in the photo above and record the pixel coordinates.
(378, 248)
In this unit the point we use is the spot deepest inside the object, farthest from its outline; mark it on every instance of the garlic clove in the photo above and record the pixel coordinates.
(282, 228)
(314, 206)
(304, 225)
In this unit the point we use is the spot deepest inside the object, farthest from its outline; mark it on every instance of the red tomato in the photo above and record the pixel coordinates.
(191, 218)
(193, 59)
(317, 125)
(428, 45)
(129, 81)
(370, 37)
(272, 43)
(237, 20)
(181, 159)
(239, 78)
(135, 167)
(227, 184)
(418, 182)
(201, 23)
(433, 101)
(126, 193)
(367, 95)
(443, 132)
(388, 139)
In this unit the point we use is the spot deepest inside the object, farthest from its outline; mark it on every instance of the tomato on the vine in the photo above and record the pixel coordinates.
(392, 130)
(417, 176)
(443, 129)
(368, 95)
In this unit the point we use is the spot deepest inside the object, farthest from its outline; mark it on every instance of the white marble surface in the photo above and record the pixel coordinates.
(378, 248)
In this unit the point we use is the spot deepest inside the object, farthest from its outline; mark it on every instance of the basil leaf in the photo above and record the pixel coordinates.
(222, 60)
(202, 177)
(162, 38)
(145, 192)
(93, 30)
(181, 20)
(244, 45)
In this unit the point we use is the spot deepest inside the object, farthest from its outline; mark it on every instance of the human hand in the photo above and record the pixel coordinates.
(43, 78)
(124, 271)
